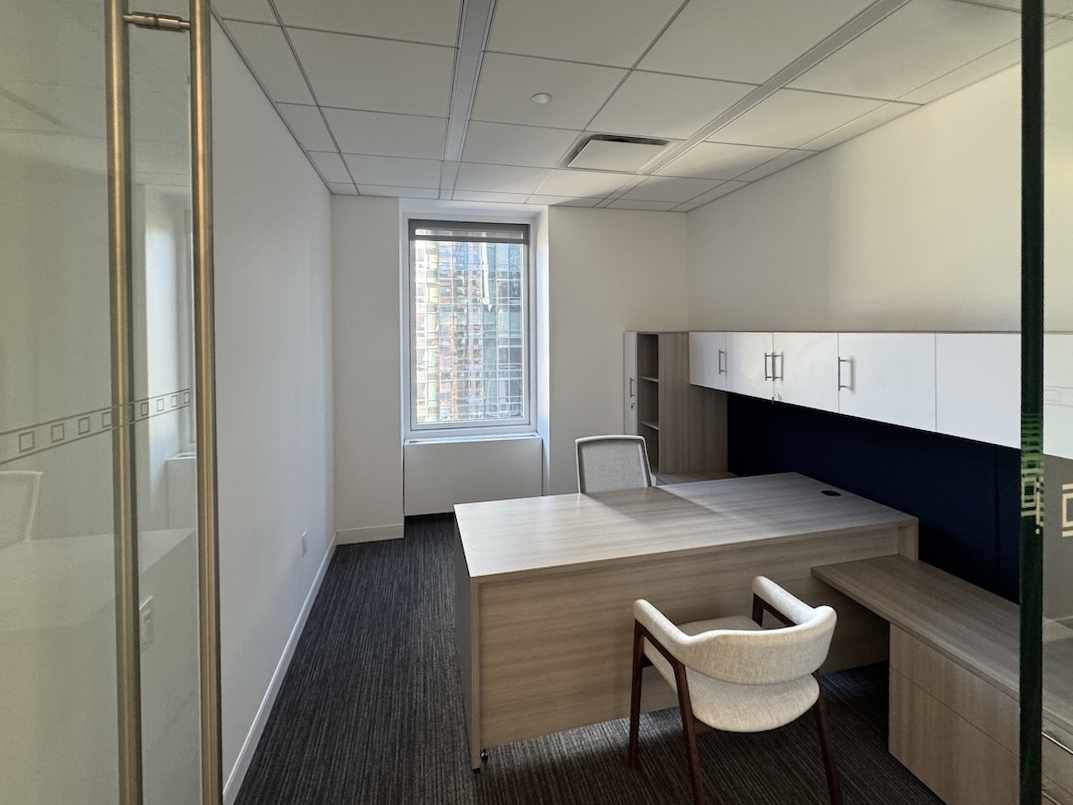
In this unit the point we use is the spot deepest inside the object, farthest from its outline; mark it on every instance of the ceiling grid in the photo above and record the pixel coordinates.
(739, 89)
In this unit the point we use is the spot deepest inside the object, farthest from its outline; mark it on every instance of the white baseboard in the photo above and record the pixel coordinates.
(376, 533)
(249, 746)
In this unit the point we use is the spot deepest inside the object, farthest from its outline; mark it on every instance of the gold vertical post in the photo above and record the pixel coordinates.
(205, 402)
(125, 511)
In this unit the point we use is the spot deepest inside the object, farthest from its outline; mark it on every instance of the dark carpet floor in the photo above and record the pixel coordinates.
(371, 712)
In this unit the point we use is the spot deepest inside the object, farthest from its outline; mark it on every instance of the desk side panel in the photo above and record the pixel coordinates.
(556, 648)
(466, 644)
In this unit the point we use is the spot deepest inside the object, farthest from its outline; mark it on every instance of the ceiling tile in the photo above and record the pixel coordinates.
(565, 201)
(395, 171)
(252, 10)
(1056, 33)
(484, 195)
(342, 188)
(498, 178)
(387, 135)
(407, 192)
(870, 120)
(330, 166)
(308, 126)
(614, 32)
(919, 42)
(743, 40)
(583, 183)
(433, 21)
(789, 118)
(374, 74)
(516, 145)
(717, 192)
(272, 62)
(637, 204)
(670, 188)
(657, 105)
(719, 160)
(787, 159)
(508, 82)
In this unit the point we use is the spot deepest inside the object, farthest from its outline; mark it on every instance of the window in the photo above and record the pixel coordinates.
(469, 325)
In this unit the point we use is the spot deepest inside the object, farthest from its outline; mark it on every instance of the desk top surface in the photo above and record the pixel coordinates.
(526, 535)
(975, 628)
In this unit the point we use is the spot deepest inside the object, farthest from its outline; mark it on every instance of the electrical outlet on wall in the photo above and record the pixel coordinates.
(302, 542)
(146, 624)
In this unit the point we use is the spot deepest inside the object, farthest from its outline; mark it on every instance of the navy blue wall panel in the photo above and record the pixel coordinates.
(965, 493)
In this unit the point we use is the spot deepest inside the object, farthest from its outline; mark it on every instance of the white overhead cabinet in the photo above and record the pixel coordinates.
(1058, 394)
(888, 377)
(805, 369)
(978, 386)
(749, 359)
(708, 360)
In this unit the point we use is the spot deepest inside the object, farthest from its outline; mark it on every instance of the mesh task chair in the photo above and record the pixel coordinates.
(734, 675)
(608, 463)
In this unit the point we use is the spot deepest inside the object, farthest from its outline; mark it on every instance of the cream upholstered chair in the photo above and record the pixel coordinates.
(734, 675)
(608, 463)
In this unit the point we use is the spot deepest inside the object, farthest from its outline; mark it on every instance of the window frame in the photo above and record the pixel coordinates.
(526, 425)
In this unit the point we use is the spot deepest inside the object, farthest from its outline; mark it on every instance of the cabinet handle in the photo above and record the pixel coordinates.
(781, 373)
(721, 362)
(633, 390)
(766, 375)
(842, 385)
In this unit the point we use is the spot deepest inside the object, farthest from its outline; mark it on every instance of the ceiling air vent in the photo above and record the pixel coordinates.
(611, 152)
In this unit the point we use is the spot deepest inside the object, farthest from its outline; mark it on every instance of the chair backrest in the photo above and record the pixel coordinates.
(608, 463)
(771, 656)
(18, 504)
(759, 657)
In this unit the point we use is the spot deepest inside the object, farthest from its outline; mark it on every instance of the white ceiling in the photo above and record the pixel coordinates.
(431, 99)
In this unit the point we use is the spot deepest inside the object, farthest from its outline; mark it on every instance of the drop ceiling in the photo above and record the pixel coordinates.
(432, 98)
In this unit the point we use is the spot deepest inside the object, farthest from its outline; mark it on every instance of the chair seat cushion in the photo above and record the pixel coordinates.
(738, 708)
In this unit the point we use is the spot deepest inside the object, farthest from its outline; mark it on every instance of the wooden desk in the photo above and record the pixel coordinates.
(545, 586)
(954, 671)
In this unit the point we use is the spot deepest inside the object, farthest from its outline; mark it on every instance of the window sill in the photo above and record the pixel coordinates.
(491, 437)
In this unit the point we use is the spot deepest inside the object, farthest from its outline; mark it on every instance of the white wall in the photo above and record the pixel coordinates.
(915, 225)
(606, 271)
(273, 353)
(441, 474)
(367, 366)
(609, 271)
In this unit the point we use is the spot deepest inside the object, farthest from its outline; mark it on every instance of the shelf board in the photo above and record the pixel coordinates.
(654, 426)
(650, 379)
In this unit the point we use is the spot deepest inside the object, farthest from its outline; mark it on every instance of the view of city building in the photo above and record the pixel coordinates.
(469, 325)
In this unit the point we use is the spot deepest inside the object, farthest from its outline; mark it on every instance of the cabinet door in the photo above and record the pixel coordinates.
(978, 386)
(749, 364)
(707, 360)
(1058, 394)
(806, 369)
(888, 377)
(629, 382)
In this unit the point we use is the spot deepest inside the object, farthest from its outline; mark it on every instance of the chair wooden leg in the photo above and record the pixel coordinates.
(681, 681)
(833, 784)
(635, 696)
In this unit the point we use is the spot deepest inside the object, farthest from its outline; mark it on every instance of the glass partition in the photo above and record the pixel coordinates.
(59, 685)
(1056, 600)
